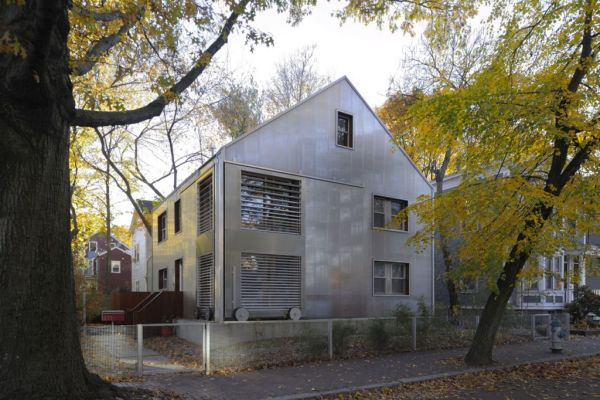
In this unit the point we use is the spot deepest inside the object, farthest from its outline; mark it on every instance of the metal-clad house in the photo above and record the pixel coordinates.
(296, 215)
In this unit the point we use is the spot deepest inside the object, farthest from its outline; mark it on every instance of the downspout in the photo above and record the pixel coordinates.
(432, 261)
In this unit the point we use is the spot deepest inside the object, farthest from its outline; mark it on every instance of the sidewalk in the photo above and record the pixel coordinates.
(328, 378)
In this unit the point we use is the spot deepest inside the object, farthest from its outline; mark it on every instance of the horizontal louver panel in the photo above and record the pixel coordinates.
(205, 205)
(205, 285)
(270, 203)
(271, 282)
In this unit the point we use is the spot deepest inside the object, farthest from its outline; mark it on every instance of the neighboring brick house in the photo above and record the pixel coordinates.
(113, 276)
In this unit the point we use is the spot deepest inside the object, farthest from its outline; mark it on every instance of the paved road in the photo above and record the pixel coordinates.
(327, 378)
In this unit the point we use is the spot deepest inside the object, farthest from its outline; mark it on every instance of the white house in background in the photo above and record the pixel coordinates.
(141, 243)
(550, 292)
(291, 220)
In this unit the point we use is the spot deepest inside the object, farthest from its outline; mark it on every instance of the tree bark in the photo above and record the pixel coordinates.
(453, 301)
(40, 354)
(480, 352)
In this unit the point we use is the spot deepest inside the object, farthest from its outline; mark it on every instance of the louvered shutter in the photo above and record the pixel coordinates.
(270, 203)
(205, 285)
(270, 282)
(205, 205)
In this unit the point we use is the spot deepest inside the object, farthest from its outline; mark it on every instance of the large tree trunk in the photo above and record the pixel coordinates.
(480, 352)
(40, 354)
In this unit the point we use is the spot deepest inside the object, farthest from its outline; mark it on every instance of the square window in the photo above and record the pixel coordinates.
(344, 130)
(390, 278)
(388, 213)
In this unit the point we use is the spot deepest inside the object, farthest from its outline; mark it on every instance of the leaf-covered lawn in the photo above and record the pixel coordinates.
(575, 379)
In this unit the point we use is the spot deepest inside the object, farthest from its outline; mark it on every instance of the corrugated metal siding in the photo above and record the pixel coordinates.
(205, 285)
(270, 203)
(270, 282)
(205, 205)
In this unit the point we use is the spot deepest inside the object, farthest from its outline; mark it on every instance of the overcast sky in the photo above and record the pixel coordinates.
(367, 55)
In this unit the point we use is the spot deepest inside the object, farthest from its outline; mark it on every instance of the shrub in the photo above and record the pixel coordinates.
(377, 335)
(403, 315)
(341, 332)
(585, 302)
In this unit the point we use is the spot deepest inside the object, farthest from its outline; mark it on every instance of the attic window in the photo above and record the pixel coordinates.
(344, 130)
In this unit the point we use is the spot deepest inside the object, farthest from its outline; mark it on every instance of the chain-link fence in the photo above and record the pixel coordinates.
(233, 346)
(110, 350)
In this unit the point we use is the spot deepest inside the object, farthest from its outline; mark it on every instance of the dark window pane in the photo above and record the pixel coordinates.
(379, 270)
(379, 220)
(342, 138)
(378, 205)
(379, 285)
(178, 216)
(397, 286)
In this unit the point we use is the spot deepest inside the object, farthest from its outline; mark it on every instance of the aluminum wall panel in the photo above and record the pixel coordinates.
(338, 244)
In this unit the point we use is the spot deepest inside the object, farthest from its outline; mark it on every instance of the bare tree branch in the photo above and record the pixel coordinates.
(154, 108)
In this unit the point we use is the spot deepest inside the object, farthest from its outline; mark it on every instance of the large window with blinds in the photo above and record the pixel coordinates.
(205, 205)
(270, 203)
(270, 282)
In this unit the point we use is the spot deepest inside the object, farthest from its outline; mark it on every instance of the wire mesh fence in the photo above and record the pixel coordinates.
(109, 350)
(233, 346)
(245, 345)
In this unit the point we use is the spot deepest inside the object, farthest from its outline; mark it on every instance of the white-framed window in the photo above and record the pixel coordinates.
(136, 252)
(344, 130)
(390, 278)
(385, 210)
(552, 273)
(115, 267)
(92, 246)
(137, 286)
(162, 278)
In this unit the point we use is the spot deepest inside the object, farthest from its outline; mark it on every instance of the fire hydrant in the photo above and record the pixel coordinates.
(557, 336)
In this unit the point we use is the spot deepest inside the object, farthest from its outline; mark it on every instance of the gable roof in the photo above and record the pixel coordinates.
(344, 78)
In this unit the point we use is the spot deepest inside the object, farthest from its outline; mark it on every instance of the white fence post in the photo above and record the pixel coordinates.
(414, 333)
(330, 338)
(140, 349)
(476, 321)
(206, 348)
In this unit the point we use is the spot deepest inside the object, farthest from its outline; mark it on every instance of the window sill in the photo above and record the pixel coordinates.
(344, 147)
(375, 228)
(391, 295)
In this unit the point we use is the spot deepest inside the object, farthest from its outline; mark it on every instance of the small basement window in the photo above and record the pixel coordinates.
(162, 227)
(390, 278)
(344, 130)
